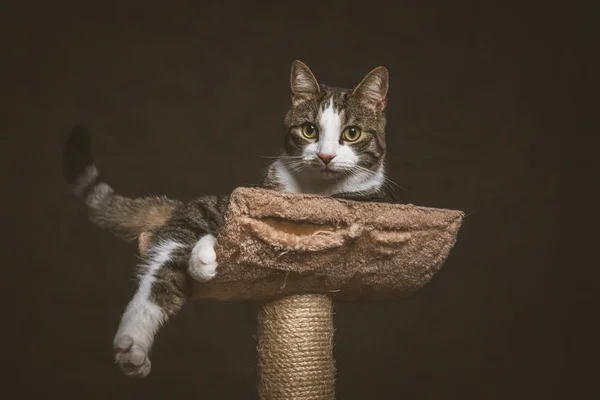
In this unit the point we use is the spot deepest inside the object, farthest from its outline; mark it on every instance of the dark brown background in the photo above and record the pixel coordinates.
(185, 100)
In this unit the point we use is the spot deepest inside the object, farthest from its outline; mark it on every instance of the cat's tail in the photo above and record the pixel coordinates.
(124, 217)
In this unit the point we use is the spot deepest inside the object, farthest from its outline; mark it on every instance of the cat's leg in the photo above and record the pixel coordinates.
(203, 261)
(160, 294)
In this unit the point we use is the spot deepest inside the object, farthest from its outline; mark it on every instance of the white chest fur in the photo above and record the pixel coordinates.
(361, 181)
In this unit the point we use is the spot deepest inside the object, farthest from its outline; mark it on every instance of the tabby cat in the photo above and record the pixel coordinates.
(334, 146)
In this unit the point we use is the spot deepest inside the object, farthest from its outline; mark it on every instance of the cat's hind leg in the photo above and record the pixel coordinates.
(160, 294)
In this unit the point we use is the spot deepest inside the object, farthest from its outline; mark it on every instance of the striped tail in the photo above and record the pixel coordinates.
(124, 217)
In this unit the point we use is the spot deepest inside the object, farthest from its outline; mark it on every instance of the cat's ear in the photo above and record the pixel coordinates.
(302, 81)
(372, 90)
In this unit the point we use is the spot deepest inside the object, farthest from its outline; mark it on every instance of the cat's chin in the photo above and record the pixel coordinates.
(329, 173)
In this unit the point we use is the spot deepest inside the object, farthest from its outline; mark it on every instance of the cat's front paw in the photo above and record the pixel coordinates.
(131, 357)
(203, 262)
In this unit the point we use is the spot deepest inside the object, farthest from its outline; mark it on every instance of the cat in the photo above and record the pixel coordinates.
(334, 145)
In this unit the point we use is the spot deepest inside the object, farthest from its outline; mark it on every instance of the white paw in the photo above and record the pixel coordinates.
(203, 262)
(131, 357)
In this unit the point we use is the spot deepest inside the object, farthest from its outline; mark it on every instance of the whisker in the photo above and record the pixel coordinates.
(386, 179)
(387, 182)
(294, 165)
(353, 173)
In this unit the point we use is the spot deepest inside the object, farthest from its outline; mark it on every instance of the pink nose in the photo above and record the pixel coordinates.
(326, 158)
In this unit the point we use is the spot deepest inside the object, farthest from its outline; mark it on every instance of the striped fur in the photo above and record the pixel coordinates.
(125, 217)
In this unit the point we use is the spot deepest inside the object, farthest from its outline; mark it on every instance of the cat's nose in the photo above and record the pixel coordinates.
(326, 158)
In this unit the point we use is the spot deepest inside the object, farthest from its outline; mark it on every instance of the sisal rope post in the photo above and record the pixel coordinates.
(295, 348)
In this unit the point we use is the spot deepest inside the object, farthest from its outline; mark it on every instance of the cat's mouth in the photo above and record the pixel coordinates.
(328, 171)
(325, 170)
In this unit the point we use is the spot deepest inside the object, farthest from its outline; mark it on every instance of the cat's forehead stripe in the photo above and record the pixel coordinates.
(330, 123)
(335, 99)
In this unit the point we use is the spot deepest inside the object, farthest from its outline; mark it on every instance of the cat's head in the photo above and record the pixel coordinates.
(333, 132)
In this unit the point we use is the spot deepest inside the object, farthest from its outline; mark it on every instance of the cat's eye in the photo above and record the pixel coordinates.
(309, 131)
(352, 133)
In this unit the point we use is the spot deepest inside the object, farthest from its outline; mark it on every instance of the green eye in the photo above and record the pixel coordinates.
(309, 131)
(352, 133)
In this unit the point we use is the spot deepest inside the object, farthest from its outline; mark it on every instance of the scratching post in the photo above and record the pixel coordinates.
(297, 253)
(295, 348)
